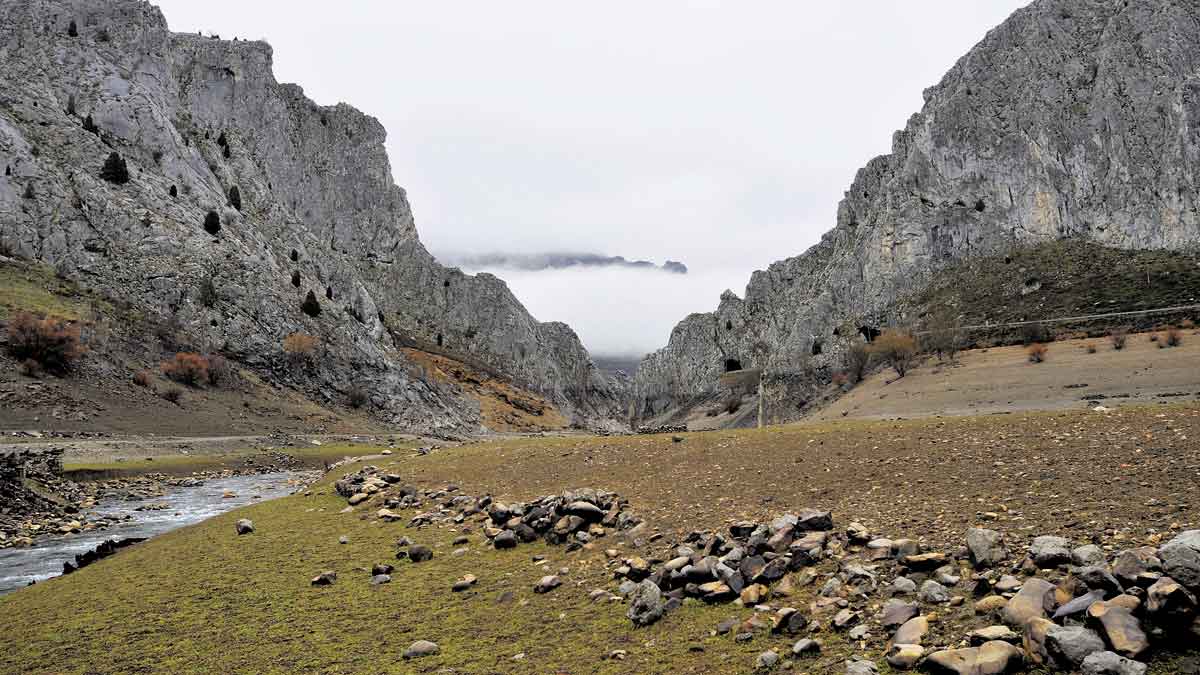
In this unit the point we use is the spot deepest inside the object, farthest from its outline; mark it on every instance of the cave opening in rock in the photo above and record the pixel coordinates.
(869, 333)
(732, 365)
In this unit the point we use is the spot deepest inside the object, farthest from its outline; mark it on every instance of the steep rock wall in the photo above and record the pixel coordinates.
(1074, 118)
(194, 118)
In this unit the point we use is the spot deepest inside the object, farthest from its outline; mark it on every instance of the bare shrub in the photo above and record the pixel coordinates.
(187, 368)
(172, 394)
(1037, 352)
(31, 368)
(1035, 333)
(896, 348)
(1118, 338)
(219, 370)
(52, 343)
(943, 335)
(1091, 348)
(1172, 338)
(143, 378)
(858, 359)
(732, 404)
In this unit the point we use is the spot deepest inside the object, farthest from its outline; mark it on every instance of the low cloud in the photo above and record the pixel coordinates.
(621, 312)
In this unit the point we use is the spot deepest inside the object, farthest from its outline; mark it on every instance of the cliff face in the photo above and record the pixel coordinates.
(1073, 119)
(316, 210)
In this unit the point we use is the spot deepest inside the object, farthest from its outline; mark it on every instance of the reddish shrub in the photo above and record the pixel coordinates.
(143, 378)
(187, 368)
(51, 343)
(1037, 352)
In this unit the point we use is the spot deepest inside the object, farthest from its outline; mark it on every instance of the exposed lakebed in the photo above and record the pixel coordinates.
(177, 507)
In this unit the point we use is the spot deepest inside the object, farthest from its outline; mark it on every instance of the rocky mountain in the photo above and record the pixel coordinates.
(1074, 119)
(537, 262)
(149, 164)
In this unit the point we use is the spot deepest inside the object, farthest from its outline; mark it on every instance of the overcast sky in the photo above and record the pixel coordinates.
(721, 134)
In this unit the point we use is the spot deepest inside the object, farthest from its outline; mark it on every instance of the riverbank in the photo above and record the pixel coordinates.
(151, 608)
(60, 505)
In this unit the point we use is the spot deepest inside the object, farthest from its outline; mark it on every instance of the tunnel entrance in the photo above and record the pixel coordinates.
(732, 364)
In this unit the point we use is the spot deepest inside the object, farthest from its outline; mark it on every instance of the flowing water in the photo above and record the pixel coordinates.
(186, 505)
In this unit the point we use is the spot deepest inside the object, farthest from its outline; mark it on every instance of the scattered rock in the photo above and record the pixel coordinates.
(985, 547)
(645, 604)
(421, 648)
(324, 578)
(547, 584)
(1108, 663)
(244, 526)
(1049, 551)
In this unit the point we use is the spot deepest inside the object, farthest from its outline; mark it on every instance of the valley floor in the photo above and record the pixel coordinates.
(204, 600)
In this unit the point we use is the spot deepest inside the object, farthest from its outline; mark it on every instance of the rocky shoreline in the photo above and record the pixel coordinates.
(60, 507)
(991, 605)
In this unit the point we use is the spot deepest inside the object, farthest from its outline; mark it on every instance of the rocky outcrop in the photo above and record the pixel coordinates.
(1073, 119)
(223, 175)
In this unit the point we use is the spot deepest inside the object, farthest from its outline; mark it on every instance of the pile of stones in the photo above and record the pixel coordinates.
(988, 607)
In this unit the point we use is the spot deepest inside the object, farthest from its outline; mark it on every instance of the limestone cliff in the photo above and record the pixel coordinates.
(302, 195)
(1073, 119)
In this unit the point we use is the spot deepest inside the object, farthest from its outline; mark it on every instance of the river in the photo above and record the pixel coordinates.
(186, 505)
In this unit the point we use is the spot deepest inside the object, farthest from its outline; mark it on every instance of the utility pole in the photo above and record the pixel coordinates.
(762, 374)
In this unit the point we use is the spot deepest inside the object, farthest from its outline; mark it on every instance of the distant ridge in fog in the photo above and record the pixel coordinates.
(536, 262)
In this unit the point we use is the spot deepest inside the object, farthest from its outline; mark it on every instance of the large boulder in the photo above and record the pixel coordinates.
(993, 658)
(1035, 598)
(1049, 551)
(1068, 646)
(1181, 559)
(645, 604)
(985, 547)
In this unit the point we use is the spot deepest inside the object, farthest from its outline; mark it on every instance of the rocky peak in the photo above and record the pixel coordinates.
(1073, 119)
(237, 178)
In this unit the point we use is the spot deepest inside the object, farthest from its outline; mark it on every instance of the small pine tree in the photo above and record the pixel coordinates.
(221, 140)
(235, 198)
(212, 223)
(174, 192)
(90, 125)
(115, 170)
(296, 279)
(73, 29)
(29, 192)
(310, 306)
(71, 105)
(7, 170)
(227, 153)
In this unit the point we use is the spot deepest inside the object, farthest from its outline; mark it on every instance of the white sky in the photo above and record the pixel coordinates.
(718, 133)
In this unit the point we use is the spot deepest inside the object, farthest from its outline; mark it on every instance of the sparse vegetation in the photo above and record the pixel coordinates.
(143, 378)
(1118, 338)
(300, 349)
(858, 359)
(207, 293)
(943, 336)
(172, 394)
(89, 125)
(187, 368)
(220, 372)
(50, 342)
(115, 170)
(358, 396)
(1037, 352)
(235, 198)
(897, 349)
(212, 223)
(732, 404)
(1172, 338)
(310, 306)
(29, 192)
(73, 29)
(1035, 333)
(31, 368)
